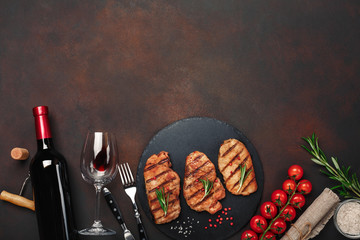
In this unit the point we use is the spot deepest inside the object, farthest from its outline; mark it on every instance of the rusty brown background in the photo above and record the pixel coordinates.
(276, 70)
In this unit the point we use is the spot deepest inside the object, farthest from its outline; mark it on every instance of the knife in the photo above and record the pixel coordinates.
(116, 211)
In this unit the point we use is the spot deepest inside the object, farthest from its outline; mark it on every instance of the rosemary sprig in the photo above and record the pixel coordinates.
(243, 176)
(349, 186)
(207, 186)
(163, 199)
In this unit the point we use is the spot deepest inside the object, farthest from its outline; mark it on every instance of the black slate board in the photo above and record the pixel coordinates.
(205, 135)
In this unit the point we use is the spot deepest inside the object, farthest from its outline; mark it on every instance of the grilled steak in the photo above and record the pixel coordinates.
(197, 167)
(232, 156)
(159, 176)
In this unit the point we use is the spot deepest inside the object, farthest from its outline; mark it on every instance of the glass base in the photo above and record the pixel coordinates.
(97, 230)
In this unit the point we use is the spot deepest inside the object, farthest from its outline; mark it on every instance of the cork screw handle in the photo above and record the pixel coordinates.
(17, 200)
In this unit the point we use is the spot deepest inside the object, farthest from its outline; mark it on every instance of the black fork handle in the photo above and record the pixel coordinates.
(142, 233)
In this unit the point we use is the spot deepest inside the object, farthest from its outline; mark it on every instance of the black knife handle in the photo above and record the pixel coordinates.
(113, 205)
(141, 228)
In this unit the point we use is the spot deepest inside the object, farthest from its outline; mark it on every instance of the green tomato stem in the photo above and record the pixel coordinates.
(282, 208)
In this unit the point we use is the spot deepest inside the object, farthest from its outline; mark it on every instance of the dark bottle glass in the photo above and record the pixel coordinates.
(50, 183)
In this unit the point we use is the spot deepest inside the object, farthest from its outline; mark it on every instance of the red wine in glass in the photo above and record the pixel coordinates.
(101, 160)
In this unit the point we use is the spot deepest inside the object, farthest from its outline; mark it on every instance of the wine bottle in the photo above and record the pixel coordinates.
(50, 183)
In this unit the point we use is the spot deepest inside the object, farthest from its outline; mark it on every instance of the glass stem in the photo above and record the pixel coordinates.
(97, 222)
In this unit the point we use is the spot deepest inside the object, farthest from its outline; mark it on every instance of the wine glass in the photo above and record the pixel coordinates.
(98, 165)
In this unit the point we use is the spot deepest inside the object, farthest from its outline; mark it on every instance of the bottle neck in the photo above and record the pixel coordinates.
(43, 132)
(42, 127)
(45, 143)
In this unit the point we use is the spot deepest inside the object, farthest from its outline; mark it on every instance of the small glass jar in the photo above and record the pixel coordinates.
(337, 219)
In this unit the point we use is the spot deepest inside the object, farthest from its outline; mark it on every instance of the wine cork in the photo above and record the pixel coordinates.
(19, 153)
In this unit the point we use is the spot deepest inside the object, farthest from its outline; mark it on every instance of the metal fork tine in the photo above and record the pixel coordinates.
(121, 176)
(124, 174)
(127, 174)
(130, 173)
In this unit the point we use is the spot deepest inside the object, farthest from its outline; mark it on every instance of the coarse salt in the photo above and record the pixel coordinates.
(348, 218)
(184, 228)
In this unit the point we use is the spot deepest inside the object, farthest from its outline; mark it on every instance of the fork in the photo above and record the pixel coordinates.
(128, 182)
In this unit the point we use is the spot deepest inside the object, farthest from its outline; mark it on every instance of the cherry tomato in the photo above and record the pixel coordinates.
(278, 226)
(289, 186)
(279, 197)
(304, 187)
(268, 210)
(295, 172)
(249, 235)
(258, 223)
(268, 236)
(289, 213)
(298, 200)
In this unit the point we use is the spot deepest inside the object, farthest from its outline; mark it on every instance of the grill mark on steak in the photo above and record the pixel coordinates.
(194, 194)
(233, 159)
(201, 177)
(229, 150)
(244, 186)
(249, 183)
(205, 198)
(233, 173)
(197, 169)
(213, 204)
(198, 157)
(152, 179)
(164, 183)
(238, 168)
(169, 209)
(154, 165)
(170, 191)
(208, 196)
(244, 160)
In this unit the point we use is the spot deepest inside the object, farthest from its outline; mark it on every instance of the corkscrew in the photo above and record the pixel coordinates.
(19, 200)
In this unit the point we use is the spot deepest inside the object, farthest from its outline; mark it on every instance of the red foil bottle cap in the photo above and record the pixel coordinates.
(42, 126)
(40, 110)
